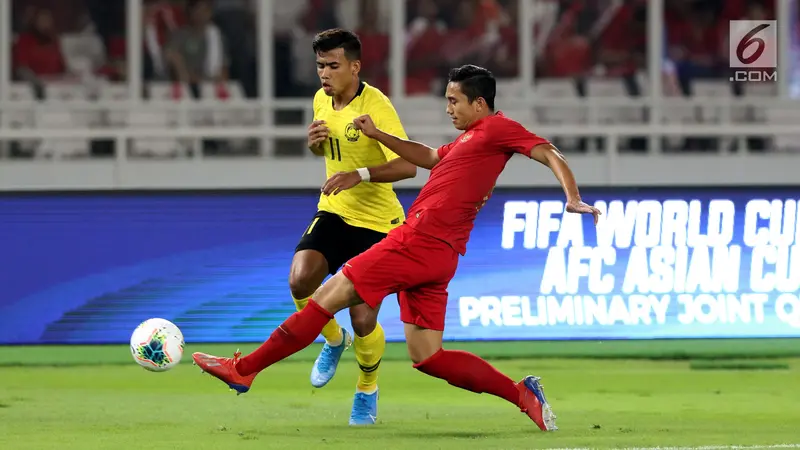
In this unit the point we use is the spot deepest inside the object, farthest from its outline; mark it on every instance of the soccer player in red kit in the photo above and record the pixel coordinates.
(419, 258)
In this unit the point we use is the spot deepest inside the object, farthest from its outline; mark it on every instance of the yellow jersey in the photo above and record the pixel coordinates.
(368, 205)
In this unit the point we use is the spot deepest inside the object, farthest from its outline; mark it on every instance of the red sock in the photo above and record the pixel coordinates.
(470, 372)
(293, 335)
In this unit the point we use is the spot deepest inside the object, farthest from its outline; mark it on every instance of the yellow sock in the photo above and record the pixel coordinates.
(332, 332)
(369, 351)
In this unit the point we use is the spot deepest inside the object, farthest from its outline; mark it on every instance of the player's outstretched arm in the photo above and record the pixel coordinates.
(552, 157)
(414, 152)
(394, 170)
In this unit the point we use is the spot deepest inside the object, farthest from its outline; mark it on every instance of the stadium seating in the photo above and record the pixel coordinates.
(565, 92)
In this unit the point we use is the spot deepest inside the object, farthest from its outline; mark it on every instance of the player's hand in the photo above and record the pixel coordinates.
(341, 181)
(317, 133)
(579, 207)
(366, 125)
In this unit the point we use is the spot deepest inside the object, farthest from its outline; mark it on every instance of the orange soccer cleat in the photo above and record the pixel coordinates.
(224, 369)
(533, 403)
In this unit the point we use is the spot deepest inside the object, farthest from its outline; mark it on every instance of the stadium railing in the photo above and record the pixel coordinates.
(652, 116)
(607, 165)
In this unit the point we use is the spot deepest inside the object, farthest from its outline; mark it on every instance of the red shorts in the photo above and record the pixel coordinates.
(414, 264)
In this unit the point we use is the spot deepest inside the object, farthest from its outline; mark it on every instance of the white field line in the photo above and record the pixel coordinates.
(708, 447)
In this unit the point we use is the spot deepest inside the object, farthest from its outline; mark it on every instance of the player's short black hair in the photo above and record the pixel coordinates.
(338, 38)
(475, 82)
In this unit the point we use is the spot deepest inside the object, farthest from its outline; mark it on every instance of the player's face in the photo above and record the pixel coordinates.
(335, 71)
(461, 111)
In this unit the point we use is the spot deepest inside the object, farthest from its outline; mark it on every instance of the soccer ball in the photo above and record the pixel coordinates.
(157, 345)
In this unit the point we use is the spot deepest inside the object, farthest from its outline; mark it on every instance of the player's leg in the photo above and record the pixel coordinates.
(459, 368)
(369, 340)
(423, 312)
(375, 275)
(293, 335)
(369, 345)
(308, 271)
(315, 257)
(321, 252)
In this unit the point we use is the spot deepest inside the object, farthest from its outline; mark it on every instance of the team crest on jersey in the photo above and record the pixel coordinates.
(351, 132)
(466, 137)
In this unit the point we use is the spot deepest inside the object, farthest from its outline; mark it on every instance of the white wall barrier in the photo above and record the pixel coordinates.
(606, 168)
(712, 112)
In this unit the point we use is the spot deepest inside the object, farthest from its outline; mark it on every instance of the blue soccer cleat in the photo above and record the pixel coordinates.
(328, 360)
(365, 409)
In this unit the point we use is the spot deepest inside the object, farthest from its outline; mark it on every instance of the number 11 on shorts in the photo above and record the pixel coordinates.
(311, 227)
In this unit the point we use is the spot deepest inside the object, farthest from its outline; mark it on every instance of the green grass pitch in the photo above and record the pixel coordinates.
(606, 395)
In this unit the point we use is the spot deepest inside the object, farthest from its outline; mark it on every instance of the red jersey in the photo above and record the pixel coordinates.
(43, 57)
(463, 180)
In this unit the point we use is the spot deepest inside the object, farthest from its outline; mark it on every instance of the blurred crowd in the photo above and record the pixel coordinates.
(192, 44)
(215, 40)
(188, 41)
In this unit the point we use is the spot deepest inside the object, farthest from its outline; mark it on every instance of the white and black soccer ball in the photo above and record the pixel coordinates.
(157, 345)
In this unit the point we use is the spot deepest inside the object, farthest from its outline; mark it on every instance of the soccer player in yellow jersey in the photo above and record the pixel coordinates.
(356, 209)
